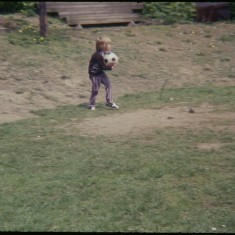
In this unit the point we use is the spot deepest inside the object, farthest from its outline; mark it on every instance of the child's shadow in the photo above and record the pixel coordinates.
(86, 106)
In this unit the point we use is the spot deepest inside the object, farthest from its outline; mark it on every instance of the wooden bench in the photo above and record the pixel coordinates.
(89, 13)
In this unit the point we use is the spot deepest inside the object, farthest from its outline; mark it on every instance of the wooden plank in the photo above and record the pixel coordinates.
(103, 21)
(96, 7)
(94, 13)
(52, 4)
(77, 6)
(117, 19)
(107, 16)
(79, 3)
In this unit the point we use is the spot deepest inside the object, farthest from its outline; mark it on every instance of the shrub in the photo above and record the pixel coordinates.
(170, 11)
(9, 7)
(232, 10)
(28, 8)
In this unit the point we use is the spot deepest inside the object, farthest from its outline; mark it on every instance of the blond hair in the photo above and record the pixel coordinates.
(101, 42)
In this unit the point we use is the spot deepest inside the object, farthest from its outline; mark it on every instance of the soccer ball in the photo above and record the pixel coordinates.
(109, 58)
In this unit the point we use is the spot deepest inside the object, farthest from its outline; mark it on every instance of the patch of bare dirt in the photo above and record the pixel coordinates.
(210, 146)
(142, 121)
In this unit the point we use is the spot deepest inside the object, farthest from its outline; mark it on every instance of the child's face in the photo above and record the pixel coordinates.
(107, 46)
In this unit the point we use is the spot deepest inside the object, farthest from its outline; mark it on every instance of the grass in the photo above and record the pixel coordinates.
(228, 38)
(157, 182)
(54, 178)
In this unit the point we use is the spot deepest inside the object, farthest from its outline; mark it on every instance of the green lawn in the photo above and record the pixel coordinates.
(53, 180)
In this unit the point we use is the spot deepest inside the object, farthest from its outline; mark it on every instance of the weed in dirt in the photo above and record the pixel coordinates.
(227, 38)
(200, 54)
(162, 49)
(231, 75)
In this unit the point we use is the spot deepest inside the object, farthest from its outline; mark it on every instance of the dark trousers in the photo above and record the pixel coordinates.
(96, 81)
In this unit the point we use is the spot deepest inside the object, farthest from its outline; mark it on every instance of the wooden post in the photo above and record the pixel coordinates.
(43, 19)
(2, 28)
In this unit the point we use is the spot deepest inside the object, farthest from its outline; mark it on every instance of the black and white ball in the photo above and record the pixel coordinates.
(109, 58)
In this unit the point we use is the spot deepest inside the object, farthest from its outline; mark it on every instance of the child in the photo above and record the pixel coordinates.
(97, 75)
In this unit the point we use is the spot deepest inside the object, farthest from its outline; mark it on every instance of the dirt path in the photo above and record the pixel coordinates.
(142, 121)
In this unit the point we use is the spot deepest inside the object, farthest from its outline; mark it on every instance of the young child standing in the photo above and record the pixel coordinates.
(97, 75)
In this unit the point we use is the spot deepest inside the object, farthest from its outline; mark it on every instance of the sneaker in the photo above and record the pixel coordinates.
(91, 108)
(112, 105)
